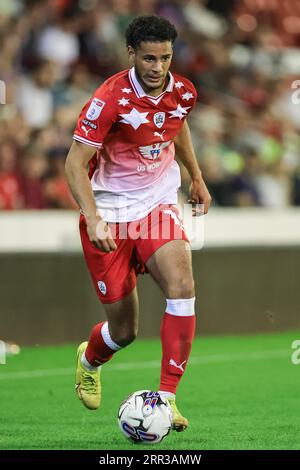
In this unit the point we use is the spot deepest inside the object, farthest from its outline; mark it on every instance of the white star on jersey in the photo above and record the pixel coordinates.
(178, 84)
(179, 112)
(134, 118)
(187, 96)
(123, 101)
(127, 90)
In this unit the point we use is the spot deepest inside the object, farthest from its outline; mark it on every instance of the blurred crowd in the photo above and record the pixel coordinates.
(243, 57)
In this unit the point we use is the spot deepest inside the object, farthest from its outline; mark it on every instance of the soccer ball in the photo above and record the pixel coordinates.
(145, 417)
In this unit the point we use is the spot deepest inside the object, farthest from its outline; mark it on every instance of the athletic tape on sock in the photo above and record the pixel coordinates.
(107, 339)
(87, 365)
(181, 307)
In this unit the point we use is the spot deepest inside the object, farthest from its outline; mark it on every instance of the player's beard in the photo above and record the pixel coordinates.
(155, 85)
(149, 85)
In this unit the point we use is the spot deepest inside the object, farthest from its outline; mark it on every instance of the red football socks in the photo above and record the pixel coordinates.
(100, 347)
(177, 332)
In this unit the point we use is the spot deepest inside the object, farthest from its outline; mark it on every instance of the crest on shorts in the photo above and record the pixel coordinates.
(159, 119)
(95, 109)
(102, 287)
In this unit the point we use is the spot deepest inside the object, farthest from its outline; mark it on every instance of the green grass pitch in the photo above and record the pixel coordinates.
(239, 392)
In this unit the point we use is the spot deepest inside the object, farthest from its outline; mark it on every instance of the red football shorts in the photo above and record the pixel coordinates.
(114, 274)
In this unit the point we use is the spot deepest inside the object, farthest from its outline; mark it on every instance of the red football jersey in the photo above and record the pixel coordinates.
(134, 168)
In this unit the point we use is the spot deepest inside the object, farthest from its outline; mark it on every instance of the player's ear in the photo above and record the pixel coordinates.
(131, 54)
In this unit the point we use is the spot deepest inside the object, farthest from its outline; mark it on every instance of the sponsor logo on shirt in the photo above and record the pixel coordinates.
(159, 119)
(89, 123)
(95, 109)
(149, 167)
(152, 152)
(160, 135)
(85, 130)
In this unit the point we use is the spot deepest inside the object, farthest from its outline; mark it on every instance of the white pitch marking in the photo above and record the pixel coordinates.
(215, 358)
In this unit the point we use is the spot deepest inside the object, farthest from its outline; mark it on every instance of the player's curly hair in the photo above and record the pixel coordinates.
(149, 29)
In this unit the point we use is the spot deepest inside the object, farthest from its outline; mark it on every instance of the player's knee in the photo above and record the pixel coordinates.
(181, 288)
(125, 337)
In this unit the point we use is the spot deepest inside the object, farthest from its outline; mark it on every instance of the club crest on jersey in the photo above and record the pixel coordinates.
(159, 119)
(95, 109)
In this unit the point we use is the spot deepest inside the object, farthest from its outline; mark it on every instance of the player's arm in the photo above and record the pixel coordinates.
(79, 183)
(185, 152)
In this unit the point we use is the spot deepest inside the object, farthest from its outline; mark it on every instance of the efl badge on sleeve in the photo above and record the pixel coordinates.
(159, 119)
(95, 109)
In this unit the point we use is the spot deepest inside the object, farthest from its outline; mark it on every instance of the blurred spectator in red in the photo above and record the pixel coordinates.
(34, 166)
(11, 196)
(57, 191)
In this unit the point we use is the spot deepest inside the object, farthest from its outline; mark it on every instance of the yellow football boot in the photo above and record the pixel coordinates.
(87, 386)
(179, 423)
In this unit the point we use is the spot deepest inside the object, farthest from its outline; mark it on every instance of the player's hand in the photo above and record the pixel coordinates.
(99, 233)
(199, 194)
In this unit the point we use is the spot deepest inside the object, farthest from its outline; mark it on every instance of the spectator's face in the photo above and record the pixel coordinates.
(35, 165)
(8, 157)
(45, 75)
(152, 61)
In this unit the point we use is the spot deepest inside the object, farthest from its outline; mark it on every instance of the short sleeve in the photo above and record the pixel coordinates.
(96, 118)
